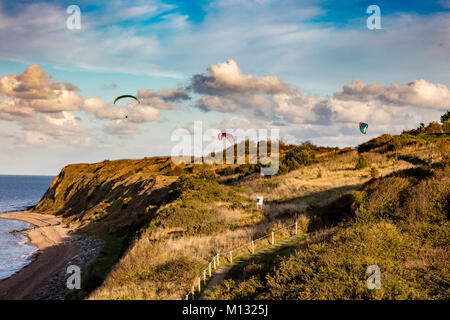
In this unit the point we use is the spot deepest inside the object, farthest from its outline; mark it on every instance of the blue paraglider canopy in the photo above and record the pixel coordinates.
(363, 127)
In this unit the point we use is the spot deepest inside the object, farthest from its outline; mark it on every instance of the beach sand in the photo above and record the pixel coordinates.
(49, 236)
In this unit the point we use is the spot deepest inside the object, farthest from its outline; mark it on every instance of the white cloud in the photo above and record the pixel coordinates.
(34, 91)
(419, 93)
(132, 112)
(386, 109)
(61, 129)
(226, 78)
(121, 128)
(163, 99)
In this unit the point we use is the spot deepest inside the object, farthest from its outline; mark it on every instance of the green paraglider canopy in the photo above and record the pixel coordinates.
(126, 96)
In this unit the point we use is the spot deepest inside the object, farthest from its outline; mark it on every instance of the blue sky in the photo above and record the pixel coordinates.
(313, 48)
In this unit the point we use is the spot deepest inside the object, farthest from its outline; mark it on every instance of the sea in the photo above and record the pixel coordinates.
(18, 193)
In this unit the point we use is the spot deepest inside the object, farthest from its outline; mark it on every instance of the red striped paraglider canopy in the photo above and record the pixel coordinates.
(228, 136)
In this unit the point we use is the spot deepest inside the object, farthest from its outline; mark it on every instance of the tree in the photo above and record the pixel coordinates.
(445, 117)
(421, 127)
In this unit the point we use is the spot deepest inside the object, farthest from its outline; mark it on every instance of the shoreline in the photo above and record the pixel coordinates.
(56, 246)
(31, 256)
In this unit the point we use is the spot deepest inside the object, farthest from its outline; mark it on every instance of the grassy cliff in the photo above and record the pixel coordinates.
(162, 223)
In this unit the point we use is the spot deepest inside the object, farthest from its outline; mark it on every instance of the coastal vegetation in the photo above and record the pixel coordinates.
(382, 203)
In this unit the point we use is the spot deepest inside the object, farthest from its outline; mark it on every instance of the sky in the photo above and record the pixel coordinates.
(311, 69)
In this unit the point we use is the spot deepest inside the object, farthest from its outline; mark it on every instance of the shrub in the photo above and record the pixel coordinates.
(444, 149)
(433, 127)
(246, 169)
(295, 158)
(362, 163)
(375, 143)
(446, 126)
(228, 171)
(208, 175)
(374, 172)
(303, 155)
(283, 169)
(396, 143)
(274, 227)
(339, 209)
(176, 171)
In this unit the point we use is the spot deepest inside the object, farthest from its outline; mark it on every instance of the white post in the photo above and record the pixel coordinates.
(214, 260)
(204, 276)
(199, 284)
(187, 296)
(210, 269)
(272, 238)
(253, 247)
(231, 256)
(193, 292)
(296, 229)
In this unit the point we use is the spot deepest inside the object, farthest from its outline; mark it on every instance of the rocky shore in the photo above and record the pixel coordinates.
(58, 248)
(56, 287)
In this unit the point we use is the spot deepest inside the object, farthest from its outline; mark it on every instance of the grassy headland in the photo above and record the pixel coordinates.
(164, 222)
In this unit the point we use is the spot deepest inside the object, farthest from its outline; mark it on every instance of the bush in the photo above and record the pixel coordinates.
(246, 169)
(208, 175)
(295, 158)
(375, 143)
(444, 149)
(302, 155)
(401, 225)
(446, 126)
(362, 163)
(228, 171)
(433, 127)
(374, 172)
(274, 227)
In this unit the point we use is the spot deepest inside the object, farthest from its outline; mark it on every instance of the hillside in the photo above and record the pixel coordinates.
(399, 222)
(162, 223)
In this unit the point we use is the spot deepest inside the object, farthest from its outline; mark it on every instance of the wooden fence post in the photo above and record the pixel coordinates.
(296, 229)
(210, 269)
(199, 284)
(204, 276)
(214, 260)
(193, 292)
(231, 256)
(273, 238)
(253, 246)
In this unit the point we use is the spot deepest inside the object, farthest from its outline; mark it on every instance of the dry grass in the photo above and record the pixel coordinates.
(126, 281)
(285, 196)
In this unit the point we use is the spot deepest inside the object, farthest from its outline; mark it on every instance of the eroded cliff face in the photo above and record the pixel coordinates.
(110, 196)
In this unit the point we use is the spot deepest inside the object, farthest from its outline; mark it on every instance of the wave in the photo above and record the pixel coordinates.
(15, 251)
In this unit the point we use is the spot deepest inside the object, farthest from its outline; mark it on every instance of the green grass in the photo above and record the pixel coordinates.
(399, 222)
